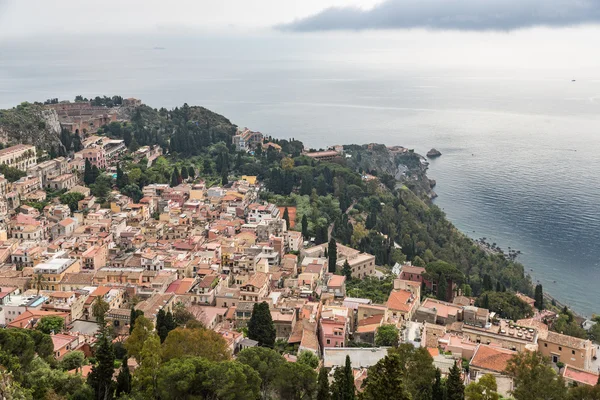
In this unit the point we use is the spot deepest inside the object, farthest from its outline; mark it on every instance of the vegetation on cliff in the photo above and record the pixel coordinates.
(32, 124)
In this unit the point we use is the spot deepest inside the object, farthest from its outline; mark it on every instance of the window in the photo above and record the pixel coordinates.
(573, 352)
(545, 344)
(559, 348)
(328, 341)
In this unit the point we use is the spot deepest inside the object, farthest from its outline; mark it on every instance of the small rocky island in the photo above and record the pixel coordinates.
(433, 153)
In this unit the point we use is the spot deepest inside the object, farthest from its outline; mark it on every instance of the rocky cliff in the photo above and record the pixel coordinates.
(408, 167)
(31, 124)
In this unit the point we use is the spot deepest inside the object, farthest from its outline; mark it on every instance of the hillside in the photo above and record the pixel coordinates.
(31, 124)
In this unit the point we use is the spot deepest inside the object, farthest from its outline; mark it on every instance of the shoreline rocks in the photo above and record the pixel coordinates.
(433, 153)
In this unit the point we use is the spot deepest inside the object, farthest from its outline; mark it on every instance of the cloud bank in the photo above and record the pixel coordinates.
(467, 15)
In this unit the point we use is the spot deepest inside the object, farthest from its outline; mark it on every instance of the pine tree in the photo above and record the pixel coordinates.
(386, 380)
(124, 379)
(343, 382)
(455, 389)
(438, 386)
(323, 385)
(286, 217)
(261, 327)
(305, 227)
(539, 297)
(332, 250)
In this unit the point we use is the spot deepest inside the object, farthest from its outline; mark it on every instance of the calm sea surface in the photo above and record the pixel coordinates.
(520, 160)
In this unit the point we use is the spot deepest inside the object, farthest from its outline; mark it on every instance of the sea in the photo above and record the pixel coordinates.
(520, 148)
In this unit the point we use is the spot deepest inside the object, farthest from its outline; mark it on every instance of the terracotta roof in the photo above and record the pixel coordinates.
(580, 376)
(411, 269)
(181, 286)
(399, 300)
(433, 351)
(567, 341)
(491, 358)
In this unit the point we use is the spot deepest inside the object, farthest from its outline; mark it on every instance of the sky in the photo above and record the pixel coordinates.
(446, 33)
(21, 18)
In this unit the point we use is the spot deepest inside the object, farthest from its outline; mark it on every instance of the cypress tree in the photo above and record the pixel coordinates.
(224, 177)
(442, 288)
(286, 217)
(191, 172)
(455, 389)
(323, 385)
(124, 379)
(305, 227)
(539, 297)
(261, 327)
(174, 177)
(88, 178)
(438, 386)
(343, 382)
(132, 317)
(347, 271)
(332, 250)
(165, 323)
(386, 380)
(100, 379)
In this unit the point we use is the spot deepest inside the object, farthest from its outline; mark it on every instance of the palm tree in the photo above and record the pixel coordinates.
(38, 281)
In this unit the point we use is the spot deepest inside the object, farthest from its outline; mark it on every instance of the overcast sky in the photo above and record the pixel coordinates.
(445, 33)
(34, 17)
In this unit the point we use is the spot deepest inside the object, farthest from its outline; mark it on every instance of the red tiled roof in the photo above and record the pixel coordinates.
(491, 358)
(398, 300)
(580, 376)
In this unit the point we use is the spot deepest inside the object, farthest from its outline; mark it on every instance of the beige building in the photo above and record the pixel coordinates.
(569, 350)
(21, 156)
(63, 182)
(54, 270)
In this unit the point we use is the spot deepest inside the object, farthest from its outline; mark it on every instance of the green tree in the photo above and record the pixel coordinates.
(175, 177)
(123, 379)
(506, 304)
(200, 342)
(165, 323)
(438, 390)
(184, 173)
(385, 380)
(347, 271)
(260, 326)
(534, 379)
(286, 217)
(232, 380)
(99, 310)
(387, 335)
(308, 358)
(142, 330)
(100, 378)
(225, 177)
(304, 227)
(72, 360)
(50, 324)
(267, 363)
(342, 387)
(191, 172)
(133, 316)
(323, 385)
(539, 297)
(442, 288)
(122, 180)
(88, 177)
(484, 389)
(145, 379)
(455, 389)
(332, 254)
(132, 191)
(72, 199)
(296, 381)
(418, 370)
